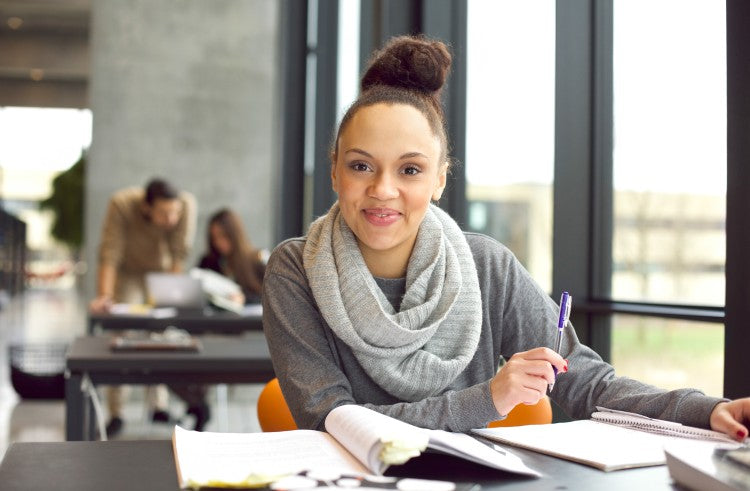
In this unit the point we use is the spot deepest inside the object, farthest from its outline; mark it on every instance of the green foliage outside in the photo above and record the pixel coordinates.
(66, 201)
(670, 354)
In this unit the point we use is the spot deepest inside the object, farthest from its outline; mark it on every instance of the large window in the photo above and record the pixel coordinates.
(669, 151)
(510, 127)
(669, 72)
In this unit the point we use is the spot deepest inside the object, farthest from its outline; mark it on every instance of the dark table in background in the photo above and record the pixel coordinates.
(149, 465)
(195, 322)
(223, 359)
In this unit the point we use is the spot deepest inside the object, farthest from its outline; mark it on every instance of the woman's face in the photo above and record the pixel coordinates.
(220, 240)
(386, 172)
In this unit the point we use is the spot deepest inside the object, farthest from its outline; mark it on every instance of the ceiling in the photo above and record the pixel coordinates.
(44, 53)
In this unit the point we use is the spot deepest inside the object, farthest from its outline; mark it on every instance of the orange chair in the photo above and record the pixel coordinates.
(274, 415)
(524, 414)
(273, 412)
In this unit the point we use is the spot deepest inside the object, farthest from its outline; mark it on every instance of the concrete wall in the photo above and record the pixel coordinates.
(184, 89)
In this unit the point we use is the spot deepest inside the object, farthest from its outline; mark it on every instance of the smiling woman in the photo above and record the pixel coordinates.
(386, 171)
(388, 304)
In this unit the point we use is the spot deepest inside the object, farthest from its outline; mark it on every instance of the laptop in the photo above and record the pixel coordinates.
(180, 291)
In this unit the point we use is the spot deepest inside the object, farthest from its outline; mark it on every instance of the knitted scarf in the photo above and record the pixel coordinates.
(416, 352)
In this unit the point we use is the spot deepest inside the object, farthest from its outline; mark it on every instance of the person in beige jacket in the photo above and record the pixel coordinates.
(145, 230)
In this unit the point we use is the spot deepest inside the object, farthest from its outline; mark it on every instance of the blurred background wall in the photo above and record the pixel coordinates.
(183, 90)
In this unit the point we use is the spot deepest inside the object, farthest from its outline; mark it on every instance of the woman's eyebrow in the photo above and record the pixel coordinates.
(359, 151)
(410, 155)
(407, 155)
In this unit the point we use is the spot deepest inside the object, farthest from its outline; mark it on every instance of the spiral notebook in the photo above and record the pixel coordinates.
(659, 426)
(611, 440)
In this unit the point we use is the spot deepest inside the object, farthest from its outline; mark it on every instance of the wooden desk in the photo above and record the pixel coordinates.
(208, 321)
(149, 465)
(236, 359)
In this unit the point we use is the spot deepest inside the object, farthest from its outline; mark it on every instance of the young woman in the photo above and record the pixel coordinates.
(231, 254)
(386, 303)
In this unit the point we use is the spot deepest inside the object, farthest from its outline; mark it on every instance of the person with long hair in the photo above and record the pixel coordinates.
(388, 304)
(231, 254)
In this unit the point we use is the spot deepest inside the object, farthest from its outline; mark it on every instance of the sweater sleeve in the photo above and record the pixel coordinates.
(527, 320)
(315, 380)
(317, 373)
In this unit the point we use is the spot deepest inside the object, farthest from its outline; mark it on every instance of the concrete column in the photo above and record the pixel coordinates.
(185, 90)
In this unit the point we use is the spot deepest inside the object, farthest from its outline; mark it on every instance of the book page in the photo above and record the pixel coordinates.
(375, 439)
(600, 445)
(468, 448)
(207, 458)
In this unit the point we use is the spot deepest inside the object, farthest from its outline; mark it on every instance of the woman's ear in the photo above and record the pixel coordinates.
(441, 182)
(334, 183)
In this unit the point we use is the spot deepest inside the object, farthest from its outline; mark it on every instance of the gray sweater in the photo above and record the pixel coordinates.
(318, 372)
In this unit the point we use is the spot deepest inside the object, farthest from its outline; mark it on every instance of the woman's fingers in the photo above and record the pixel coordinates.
(542, 362)
(523, 379)
(536, 368)
(546, 354)
(728, 417)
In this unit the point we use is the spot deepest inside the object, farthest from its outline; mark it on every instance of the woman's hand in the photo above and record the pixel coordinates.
(732, 418)
(524, 378)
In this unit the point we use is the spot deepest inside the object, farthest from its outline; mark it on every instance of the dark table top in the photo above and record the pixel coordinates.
(217, 354)
(149, 465)
(206, 320)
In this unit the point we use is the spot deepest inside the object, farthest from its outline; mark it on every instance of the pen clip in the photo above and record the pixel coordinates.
(568, 306)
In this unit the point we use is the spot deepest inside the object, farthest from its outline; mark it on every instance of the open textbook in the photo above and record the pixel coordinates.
(357, 441)
(611, 440)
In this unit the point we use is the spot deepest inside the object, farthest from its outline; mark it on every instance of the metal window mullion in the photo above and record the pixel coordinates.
(291, 119)
(326, 78)
(737, 328)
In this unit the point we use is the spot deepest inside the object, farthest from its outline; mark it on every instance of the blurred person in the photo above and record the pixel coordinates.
(145, 230)
(231, 254)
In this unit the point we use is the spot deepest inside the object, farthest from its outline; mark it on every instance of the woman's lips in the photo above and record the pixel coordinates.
(381, 216)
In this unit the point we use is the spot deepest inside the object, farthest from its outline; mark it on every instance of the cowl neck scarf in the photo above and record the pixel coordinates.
(417, 352)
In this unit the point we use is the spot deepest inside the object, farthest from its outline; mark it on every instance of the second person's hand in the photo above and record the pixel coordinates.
(100, 305)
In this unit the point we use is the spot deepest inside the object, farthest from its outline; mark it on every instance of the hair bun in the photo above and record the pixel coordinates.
(413, 63)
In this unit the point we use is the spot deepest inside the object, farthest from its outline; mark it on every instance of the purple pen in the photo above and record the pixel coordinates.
(566, 300)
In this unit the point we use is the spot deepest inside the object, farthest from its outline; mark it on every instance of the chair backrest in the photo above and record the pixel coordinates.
(527, 414)
(273, 412)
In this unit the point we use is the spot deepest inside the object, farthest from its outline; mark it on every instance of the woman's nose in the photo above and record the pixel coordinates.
(383, 187)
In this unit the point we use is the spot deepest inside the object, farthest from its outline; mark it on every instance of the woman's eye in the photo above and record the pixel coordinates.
(412, 170)
(359, 166)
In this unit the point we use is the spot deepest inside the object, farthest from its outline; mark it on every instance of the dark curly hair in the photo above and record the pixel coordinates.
(410, 70)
